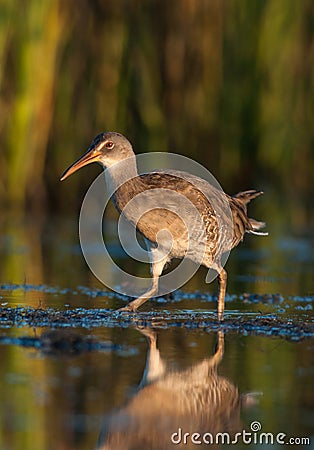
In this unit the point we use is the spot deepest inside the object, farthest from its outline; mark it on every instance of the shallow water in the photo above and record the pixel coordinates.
(70, 368)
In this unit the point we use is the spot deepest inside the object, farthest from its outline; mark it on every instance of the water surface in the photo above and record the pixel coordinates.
(70, 369)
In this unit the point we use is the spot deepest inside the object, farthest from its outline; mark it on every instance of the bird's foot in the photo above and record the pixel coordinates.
(128, 308)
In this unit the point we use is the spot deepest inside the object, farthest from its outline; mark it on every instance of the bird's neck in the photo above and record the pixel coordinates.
(123, 181)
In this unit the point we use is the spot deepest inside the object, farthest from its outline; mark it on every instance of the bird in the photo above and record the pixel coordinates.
(203, 223)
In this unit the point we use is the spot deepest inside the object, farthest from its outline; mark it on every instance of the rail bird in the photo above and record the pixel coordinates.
(203, 222)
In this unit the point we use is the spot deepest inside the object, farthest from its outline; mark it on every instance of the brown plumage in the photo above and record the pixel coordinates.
(203, 222)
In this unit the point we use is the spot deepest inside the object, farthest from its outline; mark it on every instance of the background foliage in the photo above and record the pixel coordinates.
(229, 83)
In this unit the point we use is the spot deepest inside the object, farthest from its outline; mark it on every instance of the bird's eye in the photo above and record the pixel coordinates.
(109, 145)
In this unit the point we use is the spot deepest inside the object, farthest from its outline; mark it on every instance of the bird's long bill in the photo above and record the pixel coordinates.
(90, 156)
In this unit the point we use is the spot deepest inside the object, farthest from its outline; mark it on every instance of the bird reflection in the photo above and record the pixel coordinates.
(169, 404)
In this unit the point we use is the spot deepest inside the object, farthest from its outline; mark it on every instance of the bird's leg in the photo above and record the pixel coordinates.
(157, 264)
(222, 281)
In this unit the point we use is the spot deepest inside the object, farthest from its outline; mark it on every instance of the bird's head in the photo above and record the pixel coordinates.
(106, 149)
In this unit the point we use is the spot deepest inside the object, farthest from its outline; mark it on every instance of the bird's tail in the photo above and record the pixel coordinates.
(256, 225)
(245, 197)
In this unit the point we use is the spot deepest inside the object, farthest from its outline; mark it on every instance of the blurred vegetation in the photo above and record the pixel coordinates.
(227, 82)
